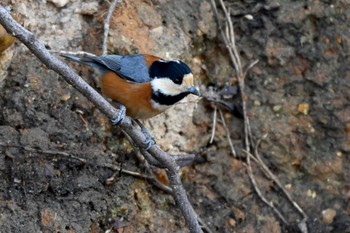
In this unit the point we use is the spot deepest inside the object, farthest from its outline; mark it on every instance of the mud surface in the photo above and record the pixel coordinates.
(58, 151)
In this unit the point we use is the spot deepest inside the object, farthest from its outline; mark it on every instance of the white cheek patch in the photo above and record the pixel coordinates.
(166, 86)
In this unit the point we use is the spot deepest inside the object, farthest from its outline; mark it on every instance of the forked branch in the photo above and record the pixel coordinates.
(172, 168)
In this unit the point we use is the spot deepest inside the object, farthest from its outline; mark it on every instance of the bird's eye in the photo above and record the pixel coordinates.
(177, 80)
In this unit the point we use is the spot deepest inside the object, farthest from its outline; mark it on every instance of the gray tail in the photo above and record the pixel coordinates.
(88, 60)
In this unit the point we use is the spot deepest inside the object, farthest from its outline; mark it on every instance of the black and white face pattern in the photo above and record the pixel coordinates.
(172, 81)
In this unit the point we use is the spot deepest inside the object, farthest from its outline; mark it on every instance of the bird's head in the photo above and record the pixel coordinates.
(172, 80)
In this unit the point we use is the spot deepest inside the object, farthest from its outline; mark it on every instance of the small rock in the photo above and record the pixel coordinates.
(89, 8)
(16, 180)
(311, 193)
(249, 17)
(303, 108)
(59, 3)
(257, 103)
(65, 97)
(231, 222)
(339, 154)
(328, 215)
(277, 108)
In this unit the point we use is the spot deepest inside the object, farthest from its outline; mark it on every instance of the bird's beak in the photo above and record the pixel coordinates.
(194, 91)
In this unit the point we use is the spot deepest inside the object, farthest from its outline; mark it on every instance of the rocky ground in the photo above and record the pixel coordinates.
(58, 150)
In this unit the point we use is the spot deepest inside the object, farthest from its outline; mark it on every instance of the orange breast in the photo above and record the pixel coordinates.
(135, 97)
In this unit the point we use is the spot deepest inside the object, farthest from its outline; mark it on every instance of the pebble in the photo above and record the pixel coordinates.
(311, 193)
(277, 108)
(328, 215)
(59, 3)
(257, 103)
(89, 8)
(231, 222)
(249, 17)
(65, 97)
(303, 108)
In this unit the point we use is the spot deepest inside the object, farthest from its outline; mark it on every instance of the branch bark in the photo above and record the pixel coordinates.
(39, 50)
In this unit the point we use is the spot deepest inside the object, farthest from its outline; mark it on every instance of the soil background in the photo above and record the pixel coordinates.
(298, 97)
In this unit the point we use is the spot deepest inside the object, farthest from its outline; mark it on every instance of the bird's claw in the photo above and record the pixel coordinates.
(149, 141)
(121, 114)
(147, 144)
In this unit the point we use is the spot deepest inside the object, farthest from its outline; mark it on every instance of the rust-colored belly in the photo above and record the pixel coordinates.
(134, 96)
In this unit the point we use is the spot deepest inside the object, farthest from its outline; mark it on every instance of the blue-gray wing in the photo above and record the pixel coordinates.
(131, 67)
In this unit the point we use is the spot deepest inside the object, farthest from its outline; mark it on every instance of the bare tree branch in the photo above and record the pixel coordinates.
(39, 50)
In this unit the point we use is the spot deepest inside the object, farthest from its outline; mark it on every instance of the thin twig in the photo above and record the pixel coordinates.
(233, 151)
(145, 154)
(106, 25)
(277, 182)
(150, 178)
(213, 128)
(48, 152)
(251, 65)
(65, 154)
(258, 191)
(183, 160)
(228, 36)
(229, 39)
(149, 160)
(117, 169)
(38, 49)
(204, 226)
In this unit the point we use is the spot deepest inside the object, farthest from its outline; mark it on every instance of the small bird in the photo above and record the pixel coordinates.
(144, 85)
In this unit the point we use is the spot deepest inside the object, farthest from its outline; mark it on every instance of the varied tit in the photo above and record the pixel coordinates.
(145, 84)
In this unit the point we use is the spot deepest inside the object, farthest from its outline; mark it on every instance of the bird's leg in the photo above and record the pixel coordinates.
(121, 113)
(149, 141)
